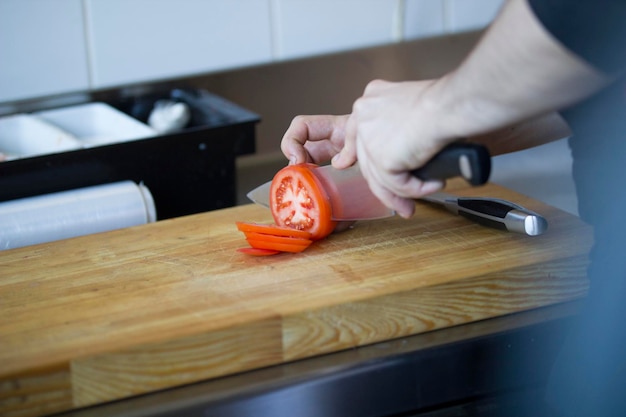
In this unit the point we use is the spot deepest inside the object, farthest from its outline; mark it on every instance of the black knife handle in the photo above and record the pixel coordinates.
(501, 214)
(490, 206)
(471, 161)
(484, 211)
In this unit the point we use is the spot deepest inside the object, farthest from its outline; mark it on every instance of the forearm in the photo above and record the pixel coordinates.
(527, 134)
(516, 72)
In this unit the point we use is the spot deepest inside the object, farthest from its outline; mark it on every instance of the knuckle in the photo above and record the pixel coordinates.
(374, 86)
(298, 120)
(358, 105)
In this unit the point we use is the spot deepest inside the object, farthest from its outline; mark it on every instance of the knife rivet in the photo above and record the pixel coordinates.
(465, 167)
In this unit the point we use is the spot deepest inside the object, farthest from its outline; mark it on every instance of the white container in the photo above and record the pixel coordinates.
(24, 135)
(50, 217)
(97, 124)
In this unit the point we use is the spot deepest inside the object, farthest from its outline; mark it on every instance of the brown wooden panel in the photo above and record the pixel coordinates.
(36, 393)
(194, 358)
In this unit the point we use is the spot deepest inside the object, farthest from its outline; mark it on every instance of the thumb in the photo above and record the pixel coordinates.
(347, 155)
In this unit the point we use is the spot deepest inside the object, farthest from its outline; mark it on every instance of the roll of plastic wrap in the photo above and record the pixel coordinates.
(66, 214)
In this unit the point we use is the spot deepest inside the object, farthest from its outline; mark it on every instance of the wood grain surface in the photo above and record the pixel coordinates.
(107, 316)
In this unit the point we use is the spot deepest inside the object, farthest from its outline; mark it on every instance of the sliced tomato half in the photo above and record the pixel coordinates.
(298, 201)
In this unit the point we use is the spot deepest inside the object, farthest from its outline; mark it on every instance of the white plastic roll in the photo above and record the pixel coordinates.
(45, 218)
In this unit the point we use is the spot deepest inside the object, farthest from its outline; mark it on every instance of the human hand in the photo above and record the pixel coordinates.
(314, 138)
(394, 128)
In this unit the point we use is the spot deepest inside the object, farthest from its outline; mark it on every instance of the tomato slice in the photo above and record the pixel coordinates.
(298, 201)
(272, 229)
(268, 239)
(258, 251)
(278, 239)
(283, 247)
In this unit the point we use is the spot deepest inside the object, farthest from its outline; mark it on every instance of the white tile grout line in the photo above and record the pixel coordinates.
(447, 16)
(398, 20)
(275, 30)
(89, 45)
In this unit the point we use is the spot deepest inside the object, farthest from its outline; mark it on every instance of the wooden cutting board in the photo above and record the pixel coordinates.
(111, 315)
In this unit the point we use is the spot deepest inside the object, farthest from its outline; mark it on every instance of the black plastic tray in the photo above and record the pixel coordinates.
(189, 171)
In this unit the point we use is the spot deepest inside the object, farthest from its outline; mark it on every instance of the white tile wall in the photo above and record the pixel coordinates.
(309, 27)
(135, 40)
(56, 46)
(423, 18)
(42, 48)
(462, 15)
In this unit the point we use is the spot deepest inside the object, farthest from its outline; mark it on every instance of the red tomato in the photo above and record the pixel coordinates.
(298, 201)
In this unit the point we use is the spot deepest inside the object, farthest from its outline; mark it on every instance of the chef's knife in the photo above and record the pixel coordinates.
(351, 198)
(493, 212)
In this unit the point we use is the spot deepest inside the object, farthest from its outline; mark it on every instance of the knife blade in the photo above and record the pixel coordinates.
(351, 198)
(492, 212)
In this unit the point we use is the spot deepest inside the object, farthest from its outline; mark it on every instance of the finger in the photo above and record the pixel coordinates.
(304, 129)
(429, 187)
(322, 151)
(396, 191)
(347, 156)
(292, 143)
(408, 186)
(403, 206)
(400, 191)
